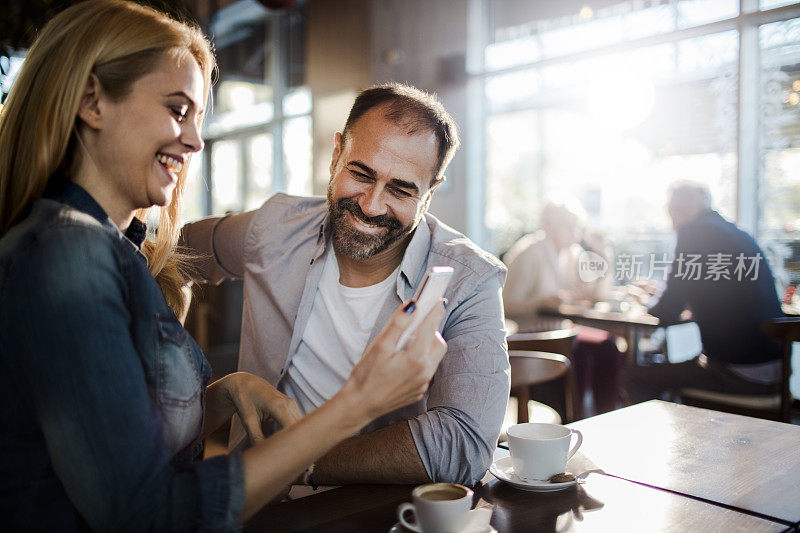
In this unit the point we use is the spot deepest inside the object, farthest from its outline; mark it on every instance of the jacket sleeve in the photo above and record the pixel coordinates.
(673, 300)
(467, 398)
(67, 325)
(216, 247)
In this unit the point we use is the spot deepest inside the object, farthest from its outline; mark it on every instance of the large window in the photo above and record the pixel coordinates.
(258, 133)
(779, 193)
(614, 101)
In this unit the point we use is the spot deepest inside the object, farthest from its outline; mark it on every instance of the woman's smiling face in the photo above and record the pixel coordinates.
(148, 136)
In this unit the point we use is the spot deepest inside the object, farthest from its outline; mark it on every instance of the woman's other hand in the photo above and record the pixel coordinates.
(385, 379)
(256, 401)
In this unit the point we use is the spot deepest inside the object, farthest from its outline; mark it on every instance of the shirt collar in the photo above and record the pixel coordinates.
(323, 234)
(415, 259)
(73, 195)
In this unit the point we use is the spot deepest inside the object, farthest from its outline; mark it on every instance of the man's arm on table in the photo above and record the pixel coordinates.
(228, 235)
(387, 455)
(675, 297)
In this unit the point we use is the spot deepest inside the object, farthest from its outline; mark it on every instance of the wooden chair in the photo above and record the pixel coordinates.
(557, 341)
(770, 406)
(534, 368)
(560, 341)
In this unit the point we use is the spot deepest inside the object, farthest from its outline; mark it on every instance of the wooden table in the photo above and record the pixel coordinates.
(602, 503)
(606, 503)
(706, 471)
(626, 324)
(749, 464)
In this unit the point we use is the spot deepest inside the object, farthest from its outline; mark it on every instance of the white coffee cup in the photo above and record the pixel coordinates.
(437, 508)
(540, 451)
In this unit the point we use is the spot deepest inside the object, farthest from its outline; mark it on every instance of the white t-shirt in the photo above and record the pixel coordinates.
(339, 327)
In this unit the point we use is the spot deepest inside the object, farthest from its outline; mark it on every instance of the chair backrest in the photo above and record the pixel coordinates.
(558, 341)
(534, 368)
(787, 330)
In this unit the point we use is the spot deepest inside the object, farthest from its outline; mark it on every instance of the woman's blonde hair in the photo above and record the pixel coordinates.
(119, 42)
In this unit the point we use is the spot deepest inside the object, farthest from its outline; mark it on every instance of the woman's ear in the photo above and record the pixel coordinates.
(90, 107)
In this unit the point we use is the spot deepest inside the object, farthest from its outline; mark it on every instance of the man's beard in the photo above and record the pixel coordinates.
(358, 245)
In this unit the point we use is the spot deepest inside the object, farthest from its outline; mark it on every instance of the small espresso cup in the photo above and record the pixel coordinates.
(539, 451)
(437, 508)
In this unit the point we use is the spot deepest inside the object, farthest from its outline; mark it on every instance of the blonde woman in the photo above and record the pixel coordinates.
(103, 394)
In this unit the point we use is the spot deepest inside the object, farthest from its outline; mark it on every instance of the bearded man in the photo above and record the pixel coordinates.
(322, 278)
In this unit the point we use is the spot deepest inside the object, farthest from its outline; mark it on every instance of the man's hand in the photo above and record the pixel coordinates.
(256, 401)
(551, 302)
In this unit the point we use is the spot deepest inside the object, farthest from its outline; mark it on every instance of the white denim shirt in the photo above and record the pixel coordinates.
(456, 425)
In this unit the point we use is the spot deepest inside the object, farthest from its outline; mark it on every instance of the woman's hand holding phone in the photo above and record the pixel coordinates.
(385, 378)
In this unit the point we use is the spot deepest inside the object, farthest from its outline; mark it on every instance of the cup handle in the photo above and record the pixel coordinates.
(401, 510)
(577, 444)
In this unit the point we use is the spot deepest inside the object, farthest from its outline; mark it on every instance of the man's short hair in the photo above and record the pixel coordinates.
(690, 196)
(561, 209)
(413, 109)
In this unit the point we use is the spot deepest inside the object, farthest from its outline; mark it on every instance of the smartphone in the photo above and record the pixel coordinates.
(428, 294)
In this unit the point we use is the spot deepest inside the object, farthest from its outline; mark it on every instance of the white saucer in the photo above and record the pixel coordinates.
(478, 523)
(398, 528)
(503, 470)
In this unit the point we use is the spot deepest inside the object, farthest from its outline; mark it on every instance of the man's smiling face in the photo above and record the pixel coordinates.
(380, 184)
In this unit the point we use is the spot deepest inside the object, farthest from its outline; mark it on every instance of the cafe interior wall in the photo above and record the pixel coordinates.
(337, 67)
(354, 43)
(425, 44)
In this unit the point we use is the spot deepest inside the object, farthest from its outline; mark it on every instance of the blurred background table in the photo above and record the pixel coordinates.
(629, 325)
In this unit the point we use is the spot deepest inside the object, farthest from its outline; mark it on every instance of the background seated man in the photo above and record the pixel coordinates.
(721, 276)
(543, 272)
(321, 279)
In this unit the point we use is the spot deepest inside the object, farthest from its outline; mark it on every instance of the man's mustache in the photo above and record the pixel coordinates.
(384, 221)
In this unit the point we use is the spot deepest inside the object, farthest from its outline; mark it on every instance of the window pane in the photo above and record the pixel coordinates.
(708, 53)
(297, 102)
(226, 177)
(593, 34)
(615, 135)
(526, 32)
(297, 155)
(244, 41)
(779, 186)
(511, 53)
(239, 104)
(11, 66)
(508, 89)
(259, 150)
(697, 12)
(513, 176)
(770, 4)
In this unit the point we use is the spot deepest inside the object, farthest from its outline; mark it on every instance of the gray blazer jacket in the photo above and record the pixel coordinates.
(455, 427)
